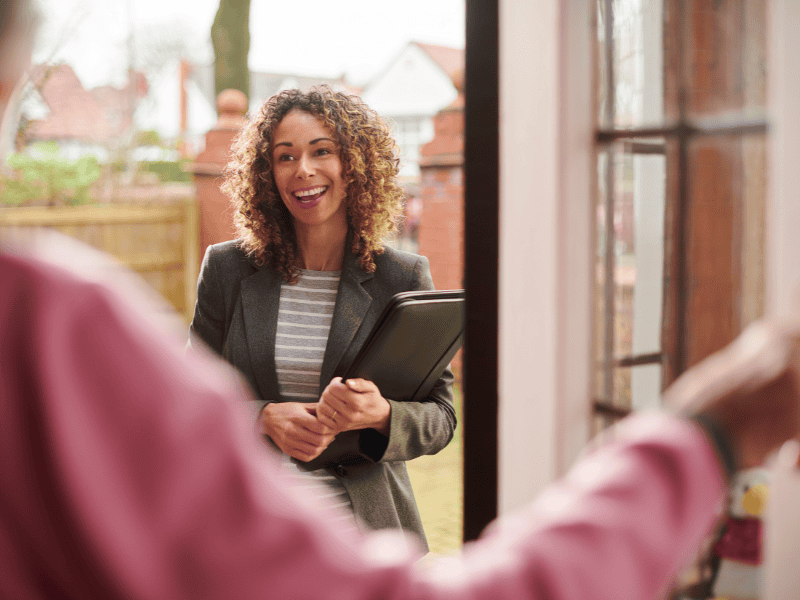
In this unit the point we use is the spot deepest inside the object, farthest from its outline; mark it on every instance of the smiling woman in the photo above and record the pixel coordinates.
(313, 182)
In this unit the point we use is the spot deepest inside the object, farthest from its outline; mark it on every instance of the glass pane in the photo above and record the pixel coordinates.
(603, 253)
(637, 388)
(630, 69)
(630, 244)
(725, 58)
(639, 223)
(645, 387)
(725, 240)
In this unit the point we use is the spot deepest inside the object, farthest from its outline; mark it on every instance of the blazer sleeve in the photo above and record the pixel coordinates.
(213, 313)
(209, 322)
(425, 427)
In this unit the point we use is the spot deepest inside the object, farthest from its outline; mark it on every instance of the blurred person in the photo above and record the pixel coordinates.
(313, 181)
(130, 471)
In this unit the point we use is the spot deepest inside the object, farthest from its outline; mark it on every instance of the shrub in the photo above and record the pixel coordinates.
(43, 175)
(167, 170)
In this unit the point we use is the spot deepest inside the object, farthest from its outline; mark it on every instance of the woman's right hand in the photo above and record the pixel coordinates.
(294, 428)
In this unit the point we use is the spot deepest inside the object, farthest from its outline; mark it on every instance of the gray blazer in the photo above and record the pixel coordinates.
(236, 315)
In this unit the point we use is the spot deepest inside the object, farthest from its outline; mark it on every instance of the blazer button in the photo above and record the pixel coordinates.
(340, 470)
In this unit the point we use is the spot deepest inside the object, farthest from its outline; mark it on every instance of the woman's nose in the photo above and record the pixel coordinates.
(305, 167)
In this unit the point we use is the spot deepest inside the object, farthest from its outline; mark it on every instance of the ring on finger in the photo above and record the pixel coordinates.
(333, 416)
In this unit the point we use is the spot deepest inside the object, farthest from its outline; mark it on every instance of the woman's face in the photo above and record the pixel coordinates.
(308, 171)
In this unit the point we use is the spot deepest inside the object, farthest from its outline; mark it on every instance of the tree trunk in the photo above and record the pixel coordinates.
(230, 35)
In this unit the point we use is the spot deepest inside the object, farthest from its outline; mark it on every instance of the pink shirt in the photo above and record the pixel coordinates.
(131, 471)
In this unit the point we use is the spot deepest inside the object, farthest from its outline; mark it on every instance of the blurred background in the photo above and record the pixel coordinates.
(120, 110)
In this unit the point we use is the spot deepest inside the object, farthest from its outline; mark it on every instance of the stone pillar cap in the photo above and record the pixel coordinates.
(231, 108)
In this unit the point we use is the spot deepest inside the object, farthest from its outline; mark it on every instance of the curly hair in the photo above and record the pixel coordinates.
(370, 164)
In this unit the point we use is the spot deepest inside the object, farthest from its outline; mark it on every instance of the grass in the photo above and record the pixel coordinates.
(437, 484)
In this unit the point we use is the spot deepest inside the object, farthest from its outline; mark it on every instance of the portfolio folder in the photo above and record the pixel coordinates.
(411, 344)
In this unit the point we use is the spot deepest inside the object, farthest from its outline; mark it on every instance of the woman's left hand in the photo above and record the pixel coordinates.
(354, 404)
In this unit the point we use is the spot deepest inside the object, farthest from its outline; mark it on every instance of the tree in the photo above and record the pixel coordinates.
(230, 35)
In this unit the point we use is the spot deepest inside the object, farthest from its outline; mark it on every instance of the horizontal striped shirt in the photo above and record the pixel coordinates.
(304, 321)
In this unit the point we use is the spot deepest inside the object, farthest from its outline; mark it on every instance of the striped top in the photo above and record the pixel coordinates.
(304, 321)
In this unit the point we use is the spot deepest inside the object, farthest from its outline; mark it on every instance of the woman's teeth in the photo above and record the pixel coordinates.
(309, 195)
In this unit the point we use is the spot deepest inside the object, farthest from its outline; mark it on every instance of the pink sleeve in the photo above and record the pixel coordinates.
(158, 488)
(618, 526)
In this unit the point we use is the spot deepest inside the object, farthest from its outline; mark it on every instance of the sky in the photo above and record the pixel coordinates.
(307, 37)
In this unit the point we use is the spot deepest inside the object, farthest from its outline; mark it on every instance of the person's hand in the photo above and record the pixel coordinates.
(751, 389)
(354, 404)
(295, 429)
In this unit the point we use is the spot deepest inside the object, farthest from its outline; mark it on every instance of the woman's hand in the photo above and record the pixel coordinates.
(295, 429)
(355, 404)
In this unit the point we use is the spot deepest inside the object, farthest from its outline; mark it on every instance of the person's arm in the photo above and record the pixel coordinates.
(155, 500)
(199, 512)
(717, 394)
(208, 326)
(211, 319)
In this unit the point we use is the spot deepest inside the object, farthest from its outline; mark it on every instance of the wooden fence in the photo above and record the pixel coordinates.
(158, 241)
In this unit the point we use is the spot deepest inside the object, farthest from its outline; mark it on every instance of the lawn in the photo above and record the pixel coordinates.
(437, 486)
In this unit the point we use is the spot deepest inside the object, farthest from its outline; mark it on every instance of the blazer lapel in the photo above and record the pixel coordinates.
(352, 303)
(261, 294)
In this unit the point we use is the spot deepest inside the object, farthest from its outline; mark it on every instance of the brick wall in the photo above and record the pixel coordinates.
(441, 228)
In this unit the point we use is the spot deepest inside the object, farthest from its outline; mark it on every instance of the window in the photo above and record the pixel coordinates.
(680, 194)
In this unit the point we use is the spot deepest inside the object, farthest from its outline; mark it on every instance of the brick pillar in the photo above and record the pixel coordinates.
(441, 228)
(441, 225)
(216, 222)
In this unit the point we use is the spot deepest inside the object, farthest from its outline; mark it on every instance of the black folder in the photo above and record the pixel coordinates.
(411, 344)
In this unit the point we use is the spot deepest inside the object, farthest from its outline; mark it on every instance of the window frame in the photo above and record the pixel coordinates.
(681, 131)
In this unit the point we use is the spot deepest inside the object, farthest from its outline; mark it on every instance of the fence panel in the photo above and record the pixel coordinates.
(158, 241)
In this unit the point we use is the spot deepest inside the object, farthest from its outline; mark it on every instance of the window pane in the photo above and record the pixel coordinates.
(645, 387)
(603, 295)
(631, 246)
(637, 388)
(639, 220)
(725, 241)
(634, 60)
(724, 58)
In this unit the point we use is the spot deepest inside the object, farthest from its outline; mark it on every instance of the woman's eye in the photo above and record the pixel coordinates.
(285, 157)
(323, 151)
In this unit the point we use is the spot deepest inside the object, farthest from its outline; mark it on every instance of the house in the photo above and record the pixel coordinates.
(420, 81)
(181, 104)
(55, 106)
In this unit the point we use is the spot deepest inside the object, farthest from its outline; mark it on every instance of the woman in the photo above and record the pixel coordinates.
(313, 182)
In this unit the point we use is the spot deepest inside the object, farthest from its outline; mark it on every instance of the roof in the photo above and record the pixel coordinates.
(265, 85)
(97, 115)
(451, 60)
